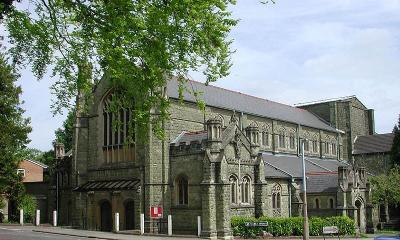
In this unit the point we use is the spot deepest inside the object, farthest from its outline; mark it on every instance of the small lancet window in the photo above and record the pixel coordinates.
(234, 189)
(246, 190)
(182, 191)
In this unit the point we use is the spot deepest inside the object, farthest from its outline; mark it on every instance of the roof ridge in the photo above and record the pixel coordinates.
(37, 163)
(325, 100)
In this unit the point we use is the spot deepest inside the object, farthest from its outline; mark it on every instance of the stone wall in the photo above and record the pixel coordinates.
(375, 163)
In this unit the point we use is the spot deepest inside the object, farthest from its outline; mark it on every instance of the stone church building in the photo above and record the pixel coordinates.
(241, 157)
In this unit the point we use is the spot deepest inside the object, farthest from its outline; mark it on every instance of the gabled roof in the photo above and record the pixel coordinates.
(377, 143)
(42, 165)
(231, 100)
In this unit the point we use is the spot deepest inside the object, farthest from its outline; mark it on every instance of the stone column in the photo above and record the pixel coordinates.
(209, 228)
(260, 189)
(370, 228)
(223, 203)
(91, 216)
(115, 203)
(297, 202)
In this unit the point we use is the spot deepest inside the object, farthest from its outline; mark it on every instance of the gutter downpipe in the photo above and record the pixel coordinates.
(290, 196)
(306, 235)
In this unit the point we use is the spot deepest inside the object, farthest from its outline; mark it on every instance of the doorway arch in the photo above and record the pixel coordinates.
(130, 215)
(105, 216)
(358, 205)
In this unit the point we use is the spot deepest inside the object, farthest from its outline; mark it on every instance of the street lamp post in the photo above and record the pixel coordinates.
(305, 214)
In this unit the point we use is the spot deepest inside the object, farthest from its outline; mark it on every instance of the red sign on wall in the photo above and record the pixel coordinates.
(156, 212)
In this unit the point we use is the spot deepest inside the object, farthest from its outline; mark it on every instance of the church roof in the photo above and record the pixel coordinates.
(322, 183)
(227, 99)
(377, 143)
(321, 173)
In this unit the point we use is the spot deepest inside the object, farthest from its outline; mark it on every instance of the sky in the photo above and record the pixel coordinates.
(290, 52)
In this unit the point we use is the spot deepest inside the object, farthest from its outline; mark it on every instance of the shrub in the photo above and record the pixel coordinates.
(28, 204)
(290, 226)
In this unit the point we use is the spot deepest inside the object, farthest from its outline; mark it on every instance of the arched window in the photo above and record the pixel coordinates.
(276, 196)
(292, 141)
(182, 190)
(246, 190)
(234, 188)
(317, 203)
(331, 203)
(116, 129)
(282, 141)
(265, 138)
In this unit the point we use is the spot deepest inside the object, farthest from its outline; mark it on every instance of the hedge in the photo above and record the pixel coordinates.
(29, 205)
(290, 226)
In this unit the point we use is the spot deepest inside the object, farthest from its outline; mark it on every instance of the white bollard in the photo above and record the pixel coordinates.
(198, 226)
(37, 217)
(169, 225)
(116, 222)
(21, 217)
(54, 218)
(141, 223)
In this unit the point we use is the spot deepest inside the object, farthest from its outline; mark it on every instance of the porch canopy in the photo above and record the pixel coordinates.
(132, 184)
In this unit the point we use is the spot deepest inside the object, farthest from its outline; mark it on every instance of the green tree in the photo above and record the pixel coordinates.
(5, 7)
(385, 188)
(395, 151)
(29, 153)
(14, 132)
(64, 134)
(138, 45)
(46, 157)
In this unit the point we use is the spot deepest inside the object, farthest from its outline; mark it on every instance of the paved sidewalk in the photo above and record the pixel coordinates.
(90, 234)
(124, 236)
(104, 235)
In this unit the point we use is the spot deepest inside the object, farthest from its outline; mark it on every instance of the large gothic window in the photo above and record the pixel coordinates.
(116, 129)
(234, 189)
(246, 190)
(182, 187)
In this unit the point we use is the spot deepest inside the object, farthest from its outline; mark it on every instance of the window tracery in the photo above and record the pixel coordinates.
(116, 130)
